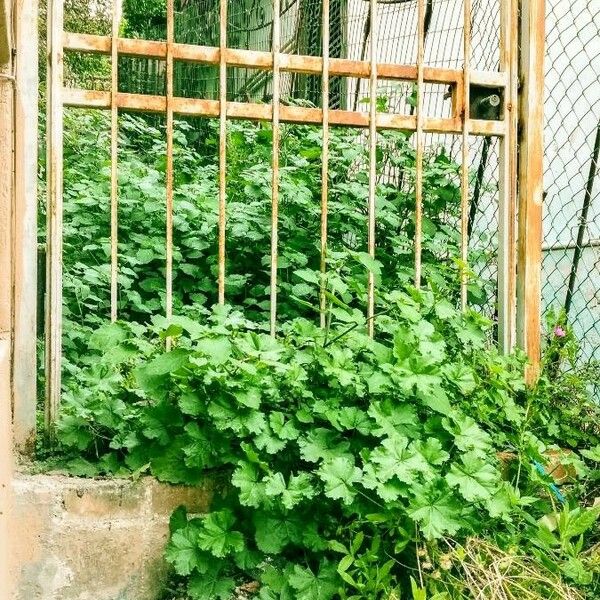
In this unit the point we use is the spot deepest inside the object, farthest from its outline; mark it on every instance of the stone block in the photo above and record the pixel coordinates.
(83, 539)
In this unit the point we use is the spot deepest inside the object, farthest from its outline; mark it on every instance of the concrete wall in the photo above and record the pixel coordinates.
(84, 539)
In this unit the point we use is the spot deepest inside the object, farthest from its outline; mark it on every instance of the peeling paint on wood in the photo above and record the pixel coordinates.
(531, 151)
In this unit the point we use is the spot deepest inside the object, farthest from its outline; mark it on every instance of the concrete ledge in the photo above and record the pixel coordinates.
(87, 539)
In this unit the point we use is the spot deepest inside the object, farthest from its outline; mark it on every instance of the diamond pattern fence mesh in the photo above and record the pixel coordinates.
(571, 265)
(571, 253)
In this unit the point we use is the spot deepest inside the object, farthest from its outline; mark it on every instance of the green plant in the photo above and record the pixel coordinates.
(347, 461)
(564, 406)
(319, 432)
(141, 248)
(481, 570)
(560, 543)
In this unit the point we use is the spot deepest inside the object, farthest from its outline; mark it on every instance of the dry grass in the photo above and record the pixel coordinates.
(485, 572)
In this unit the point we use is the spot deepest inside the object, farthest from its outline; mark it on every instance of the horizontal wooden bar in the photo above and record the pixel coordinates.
(263, 112)
(252, 59)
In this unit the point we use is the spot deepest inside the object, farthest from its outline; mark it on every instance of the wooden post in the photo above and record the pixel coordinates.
(325, 24)
(25, 223)
(507, 202)
(420, 143)
(222, 148)
(4, 32)
(464, 172)
(374, 38)
(114, 167)
(54, 210)
(276, 119)
(530, 182)
(6, 255)
(169, 165)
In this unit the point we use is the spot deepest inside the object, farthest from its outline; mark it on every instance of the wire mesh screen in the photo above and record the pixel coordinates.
(250, 27)
(571, 266)
(376, 133)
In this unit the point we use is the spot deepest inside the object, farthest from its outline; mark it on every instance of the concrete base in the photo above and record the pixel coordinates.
(85, 539)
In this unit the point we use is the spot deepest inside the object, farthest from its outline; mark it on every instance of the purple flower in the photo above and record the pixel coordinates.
(559, 332)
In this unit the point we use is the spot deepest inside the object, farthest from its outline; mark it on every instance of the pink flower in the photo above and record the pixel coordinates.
(559, 332)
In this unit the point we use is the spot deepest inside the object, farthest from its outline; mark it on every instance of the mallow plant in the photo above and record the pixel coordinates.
(338, 454)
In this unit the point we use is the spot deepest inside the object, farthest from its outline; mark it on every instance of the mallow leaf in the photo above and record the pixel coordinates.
(182, 551)
(311, 586)
(436, 510)
(246, 479)
(298, 488)
(216, 535)
(475, 478)
(211, 586)
(339, 475)
(395, 458)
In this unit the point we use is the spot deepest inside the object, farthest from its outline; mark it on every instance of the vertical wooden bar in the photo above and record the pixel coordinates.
(507, 202)
(6, 281)
(169, 165)
(222, 146)
(372, 165)
(5, 37)
(464, 187)
(276, 48)
(54, 211)
(25, 224)
(531, 150)
(419, 142)
(324, 157)
(114, 185)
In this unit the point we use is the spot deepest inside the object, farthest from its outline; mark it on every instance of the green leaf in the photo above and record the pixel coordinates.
(579, 521)
(178, 519)
(249, 397)
(308, 275)
(395, 459)
(311, 586)
(199, 448)
(371, 264)
(191, 404)
(462, 376)
(436, 510)
(298, 488)
(475, 478)
(285, 429)
(379, 382)
(576, 571)
(468, 436)
(268, 442)
(354, 419)
(246, 479)
(337, 546)
(429, 390)
(182, 551)
(153, 376)
(393, 418)
(339, 475)
(276, 584)
(274, 531)
(592, 454)
(168, 465)
(218, 350)
(211, 586)
(431, 450)
(108, 336)
(216, 535)
(322, 444)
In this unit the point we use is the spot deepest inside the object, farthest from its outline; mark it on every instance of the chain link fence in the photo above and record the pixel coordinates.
(250, 27)
(571, 266)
